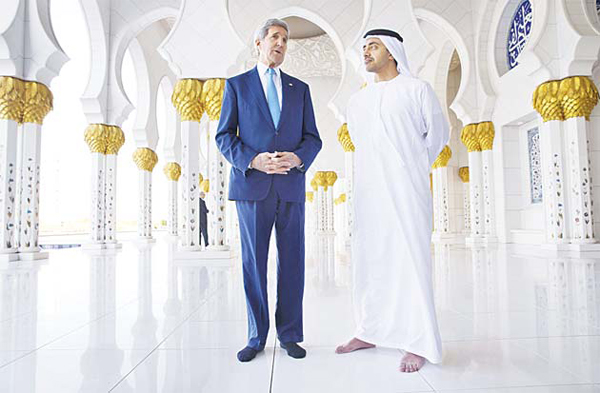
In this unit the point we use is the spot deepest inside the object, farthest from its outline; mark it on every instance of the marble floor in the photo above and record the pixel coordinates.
(138, 320)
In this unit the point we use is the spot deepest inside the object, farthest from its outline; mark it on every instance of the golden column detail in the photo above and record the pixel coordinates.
(95, 137)
(23, 101)
(344, 138)
(320, 180)
(313, 183)
(546, 101)
(485, 135)
(212, 97)
(187, 99)
(172, 170)
(443, 158)
(38, 102)
(578, 96)
(463, 173)
(310, 196)
(339, 200)
(145, 158)
(205, 185)
(330, 178)
(468, 136)
(12, 98)
(115, 138)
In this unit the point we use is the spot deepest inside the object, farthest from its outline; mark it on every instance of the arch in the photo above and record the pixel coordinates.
(172, 137)
(104, 99)
(459, 105)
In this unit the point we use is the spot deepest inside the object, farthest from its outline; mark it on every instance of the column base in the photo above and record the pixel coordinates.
(33, 255)
(204, 255)
(93, 246)
(113, 245)
(217, 248)
(474, 240)
(9, 257)
(448, 238)
(572, 247)
(144, 240)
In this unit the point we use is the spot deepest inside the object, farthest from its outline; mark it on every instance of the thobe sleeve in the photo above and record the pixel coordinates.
(436, 130)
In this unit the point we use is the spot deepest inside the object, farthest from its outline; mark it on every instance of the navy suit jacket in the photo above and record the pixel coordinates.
(246, 129)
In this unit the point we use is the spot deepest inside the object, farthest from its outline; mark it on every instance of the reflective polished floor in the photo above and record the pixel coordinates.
(136, 320)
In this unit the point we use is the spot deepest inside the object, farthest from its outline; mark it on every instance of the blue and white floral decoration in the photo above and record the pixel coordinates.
(518, 34)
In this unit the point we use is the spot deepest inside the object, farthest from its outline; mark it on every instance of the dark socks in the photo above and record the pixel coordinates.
(294, 350)
(247, 354)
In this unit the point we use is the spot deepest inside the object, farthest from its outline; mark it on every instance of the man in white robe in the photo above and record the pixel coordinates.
(398, 129)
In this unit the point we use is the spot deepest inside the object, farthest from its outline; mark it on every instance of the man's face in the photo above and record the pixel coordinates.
(375, 55)
(273, 47)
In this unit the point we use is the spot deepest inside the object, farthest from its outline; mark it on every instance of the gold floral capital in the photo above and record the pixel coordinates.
(145, 158)
(172, 170)
(104, 139)
(325, 179)
(468, 136)
(339, 200)
(546, 101)
(443, 158)
(38, 102)
(12, 98)
(187, 99)
(95, 137)
(313, 183)
(485, 135)
(344, 138)
(115, 138)
(578, 96)
(463, 173)
(310, 196)
(205, 185)
(212, 97)
(24, 101)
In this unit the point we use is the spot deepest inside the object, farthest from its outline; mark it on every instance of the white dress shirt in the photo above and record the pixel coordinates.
(264, 79)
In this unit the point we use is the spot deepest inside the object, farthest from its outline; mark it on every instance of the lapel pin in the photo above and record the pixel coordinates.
(291, 84)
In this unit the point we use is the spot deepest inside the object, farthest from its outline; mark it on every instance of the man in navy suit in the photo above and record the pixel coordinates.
(268, 133)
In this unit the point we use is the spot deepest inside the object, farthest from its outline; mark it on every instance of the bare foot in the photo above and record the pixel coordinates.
(353, 345)
(411, 363)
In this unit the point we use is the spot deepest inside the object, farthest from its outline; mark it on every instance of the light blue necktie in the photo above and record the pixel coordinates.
(272, 98)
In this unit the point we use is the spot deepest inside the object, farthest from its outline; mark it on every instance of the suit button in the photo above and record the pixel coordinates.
(276, 133)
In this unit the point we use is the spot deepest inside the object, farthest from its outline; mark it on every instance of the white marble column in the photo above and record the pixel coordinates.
(115, 138)
(217, 197)
(12, 92)
(187, 100)
(441, 195)
(212, 97)
(346, 143)
(485, 136)
(469, 138)
(463, 173)
(38, 102)
(579, 97)
(145, 159)
(551, 150)
(325, 225)
(172, 170)
(104, 142)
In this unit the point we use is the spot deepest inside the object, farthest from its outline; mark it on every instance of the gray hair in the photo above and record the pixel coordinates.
(262, 31)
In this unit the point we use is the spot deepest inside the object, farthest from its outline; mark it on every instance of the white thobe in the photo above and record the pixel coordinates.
(398, 129)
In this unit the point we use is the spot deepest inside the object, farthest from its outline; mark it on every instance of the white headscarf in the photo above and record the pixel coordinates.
(396, 49)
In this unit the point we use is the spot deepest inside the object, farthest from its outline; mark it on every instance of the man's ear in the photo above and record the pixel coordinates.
(256, 44)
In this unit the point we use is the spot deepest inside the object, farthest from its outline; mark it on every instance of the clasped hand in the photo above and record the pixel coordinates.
(277, 163)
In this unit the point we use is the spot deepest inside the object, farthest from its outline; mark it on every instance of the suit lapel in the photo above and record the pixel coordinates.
(259, 94)
(286, 97)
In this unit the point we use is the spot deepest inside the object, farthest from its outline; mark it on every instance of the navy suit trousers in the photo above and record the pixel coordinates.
(256, 224)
